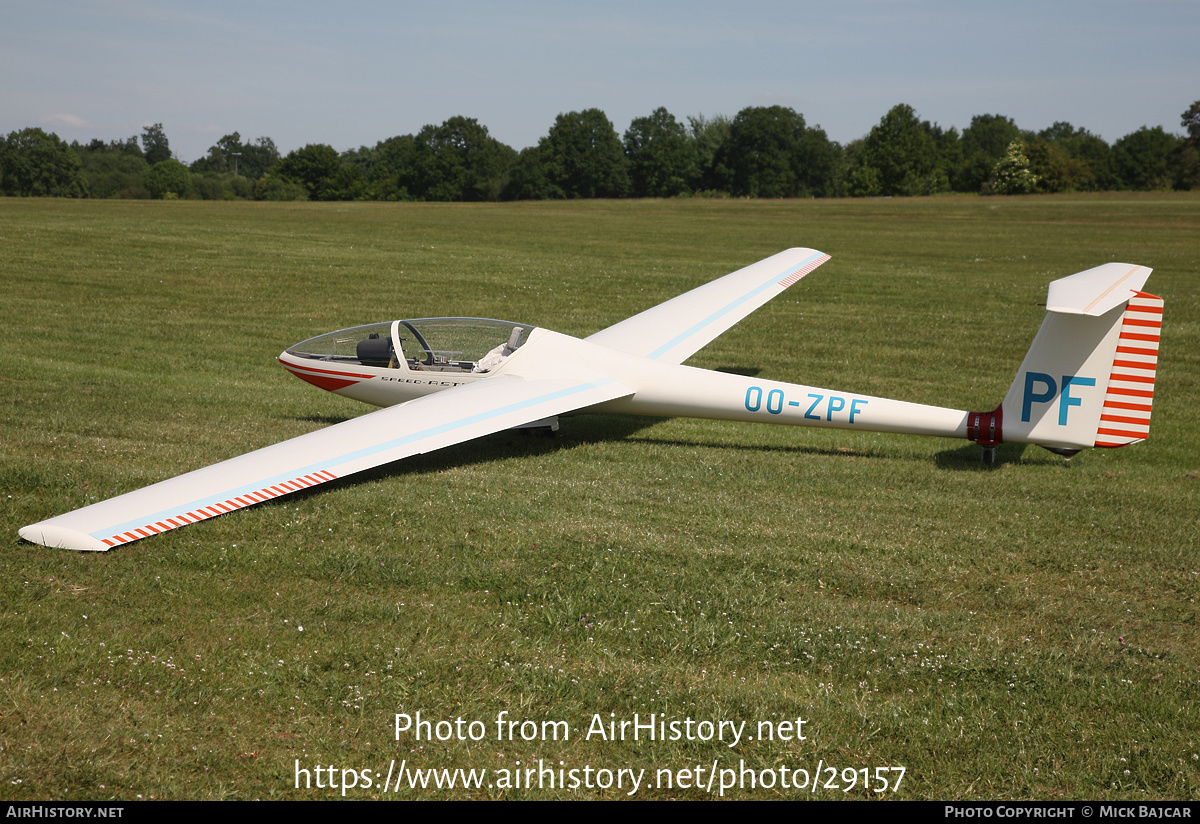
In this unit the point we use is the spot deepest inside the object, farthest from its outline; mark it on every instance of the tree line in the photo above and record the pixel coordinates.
(762, 152)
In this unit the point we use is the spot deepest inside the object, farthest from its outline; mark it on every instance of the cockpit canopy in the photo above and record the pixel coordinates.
(424, 344)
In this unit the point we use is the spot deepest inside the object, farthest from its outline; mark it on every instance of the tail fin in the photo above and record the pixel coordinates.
(1088, 379)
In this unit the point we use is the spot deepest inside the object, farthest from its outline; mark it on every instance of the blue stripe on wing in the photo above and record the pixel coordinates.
(375, 449)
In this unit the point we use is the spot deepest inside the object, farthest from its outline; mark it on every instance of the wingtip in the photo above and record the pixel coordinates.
(57, 537)
(806, 251)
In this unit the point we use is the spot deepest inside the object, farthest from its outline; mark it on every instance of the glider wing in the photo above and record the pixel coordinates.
(422, 425)
(673, 331)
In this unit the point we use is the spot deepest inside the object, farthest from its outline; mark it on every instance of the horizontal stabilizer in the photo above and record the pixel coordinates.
(1097, 290)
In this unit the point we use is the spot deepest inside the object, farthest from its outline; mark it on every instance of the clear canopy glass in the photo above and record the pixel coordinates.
(439, 344)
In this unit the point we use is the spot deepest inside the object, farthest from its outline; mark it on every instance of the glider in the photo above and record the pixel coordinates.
(1087, 381)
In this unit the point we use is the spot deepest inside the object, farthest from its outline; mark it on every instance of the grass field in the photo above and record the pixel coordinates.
(1023, 632)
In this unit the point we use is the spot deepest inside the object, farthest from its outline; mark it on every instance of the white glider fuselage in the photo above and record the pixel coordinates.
(658, 389)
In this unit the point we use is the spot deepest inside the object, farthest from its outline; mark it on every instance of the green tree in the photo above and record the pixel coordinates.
(1011, 175)
(864, 181)
(708, 134)
(168, 179)
(1054, 168)
(1060, 131)
(387, 169)
(154, 144)
(1143, 158)
(113, 174)
(984, 142)
(230, 155)
(218, 159)
(772, 153)
(459, 161)
(662, 159)
(582, 156)
(990, 134)
(1095, 171)
(950, 151)
(273, 187)
(318, 168)
(212, 186)
(257, 158)
(527, 180)
(36, 163)
(1190, 120)
(128, 146)
(113, 169)
(903, 152)
(393, 168)
(759, 158)
(1187, 161)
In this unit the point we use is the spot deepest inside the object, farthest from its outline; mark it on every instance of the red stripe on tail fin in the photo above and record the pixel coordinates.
(1143, 310)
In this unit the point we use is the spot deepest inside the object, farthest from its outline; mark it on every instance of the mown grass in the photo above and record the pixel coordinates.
(1025, 632)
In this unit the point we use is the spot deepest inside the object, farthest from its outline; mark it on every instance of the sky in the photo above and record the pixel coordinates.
(354, 73)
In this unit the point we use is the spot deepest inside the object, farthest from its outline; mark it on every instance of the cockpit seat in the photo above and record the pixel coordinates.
(375, 351)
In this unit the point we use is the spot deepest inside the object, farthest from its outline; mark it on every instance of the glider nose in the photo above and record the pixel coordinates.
(322, 376)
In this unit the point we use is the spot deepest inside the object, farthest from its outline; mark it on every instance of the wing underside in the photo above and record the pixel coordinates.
(675, 330)
(423, 425)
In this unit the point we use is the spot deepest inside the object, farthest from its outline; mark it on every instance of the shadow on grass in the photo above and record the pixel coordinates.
(576, 431)
(744, 371)
(325, 420)
(969, 457)
(836, 452)
(499, 446)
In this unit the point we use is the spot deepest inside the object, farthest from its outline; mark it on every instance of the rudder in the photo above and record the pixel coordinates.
(1125, 418)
